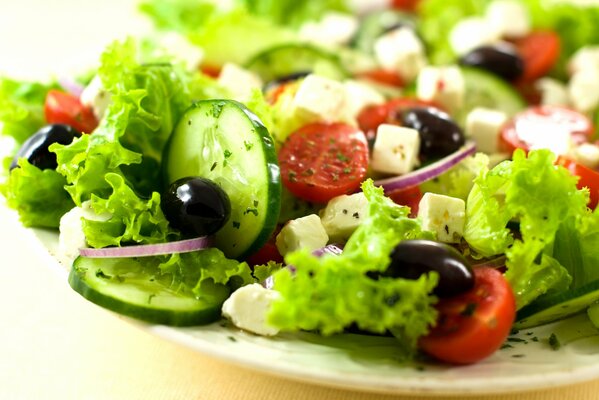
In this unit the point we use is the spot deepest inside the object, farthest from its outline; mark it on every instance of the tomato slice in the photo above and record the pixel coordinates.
(588, 178)
(550, 127)
(320, 161)
(410, 197)
(212, 71)
(406, 5)
(65, 108)
(383, 76)
(539, 51)
(371, 117)
(473, 325)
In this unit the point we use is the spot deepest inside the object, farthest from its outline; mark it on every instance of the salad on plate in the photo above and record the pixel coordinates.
(425, 170)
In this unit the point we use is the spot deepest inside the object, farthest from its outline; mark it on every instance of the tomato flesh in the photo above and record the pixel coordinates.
(383, 76)
(321, 161)
(410, 197)
(65, 108)
(588, 178)
(406, 5)
(550, 127)
(473, 325)
(539, 51)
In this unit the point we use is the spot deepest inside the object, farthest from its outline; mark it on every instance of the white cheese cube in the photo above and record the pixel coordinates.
(395, 149)
(586, 154)
(333, 29)
(343, 214)
(509, 18)
(443, 215)
(402, 51)
(443, 85)
(71, 237)
(302, 233)
(319, 98)
(483, 125)
(360, 95)
(239, 81)
(553, 92)
(583, 90)
(586, 57)
(248, 306)
(183, 50)
(95, 97)
(363, 7)
(471, 33)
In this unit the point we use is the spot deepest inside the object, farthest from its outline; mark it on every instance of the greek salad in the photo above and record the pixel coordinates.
(423, 169)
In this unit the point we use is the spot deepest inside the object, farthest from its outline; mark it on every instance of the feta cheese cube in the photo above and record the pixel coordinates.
(586, 154)
(239, 81)
(95, 97)
(583, 90)
(319, 98)
(363, 7)
(471, 33)
(553, 92)
(360, 95)
(395, 149)
(402, 51)
(443, 215)
(586, 57)
(343, 214)
(248, 306)
(333, 29)
(509, 18)
(183, 50)
(443, 85)
(302, 233)
(483, 125)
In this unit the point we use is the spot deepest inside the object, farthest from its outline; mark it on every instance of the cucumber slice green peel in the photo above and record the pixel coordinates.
(558, 306)
(125, 286)
(223, 141)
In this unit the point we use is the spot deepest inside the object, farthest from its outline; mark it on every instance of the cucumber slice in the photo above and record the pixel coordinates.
(123, 285)
(558, 306)
(223, 141)
(483, 89)
(284, 60)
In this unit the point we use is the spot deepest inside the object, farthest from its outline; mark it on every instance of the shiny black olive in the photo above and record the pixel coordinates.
(196, 206)
(501, 59)
(412, 258)
(35, 149)
(439, 134)
(275, 83)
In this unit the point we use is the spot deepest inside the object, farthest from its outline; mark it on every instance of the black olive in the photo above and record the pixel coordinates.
(273, 84)
(35, 149)
(501, 59)
(439, 134)
(412, 258)
(196, 206)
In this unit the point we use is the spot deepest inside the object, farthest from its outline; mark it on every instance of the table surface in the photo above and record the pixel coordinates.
(54, 344)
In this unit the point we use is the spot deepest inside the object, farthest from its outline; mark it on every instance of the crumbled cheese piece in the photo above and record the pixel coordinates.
(364, 7)
(401, 50)
(508, 17)
(586, 57)
(319, 98)
(583, 90)
(302, 233)
(343, 214)
(443, 215)
(443, 85)
(332, 29)
(95, 97)
(395, 149)
(239, 81)
(248, 306)
(586, 154)
(471, 33)
(553, 92)
(483, 125)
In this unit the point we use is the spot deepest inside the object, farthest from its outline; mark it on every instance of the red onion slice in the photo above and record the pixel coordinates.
(427, 173)
(146, 250)
(70, 86)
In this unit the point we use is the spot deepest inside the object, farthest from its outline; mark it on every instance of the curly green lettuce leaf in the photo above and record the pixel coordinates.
(38, 195)
(331, 293)
(541, 198)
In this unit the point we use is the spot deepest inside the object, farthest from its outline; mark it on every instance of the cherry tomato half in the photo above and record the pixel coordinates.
(473, 325)
(410, 197)
(406, 5)
(320, 161)
(64, 108)
(547, 127)
(371, 117)
(383, 76)
(588, 178)
(540, 51)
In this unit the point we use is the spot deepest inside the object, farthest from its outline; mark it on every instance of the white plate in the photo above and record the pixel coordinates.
(369, 363)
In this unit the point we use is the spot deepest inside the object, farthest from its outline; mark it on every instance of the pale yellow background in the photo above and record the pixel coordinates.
(53, 344)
